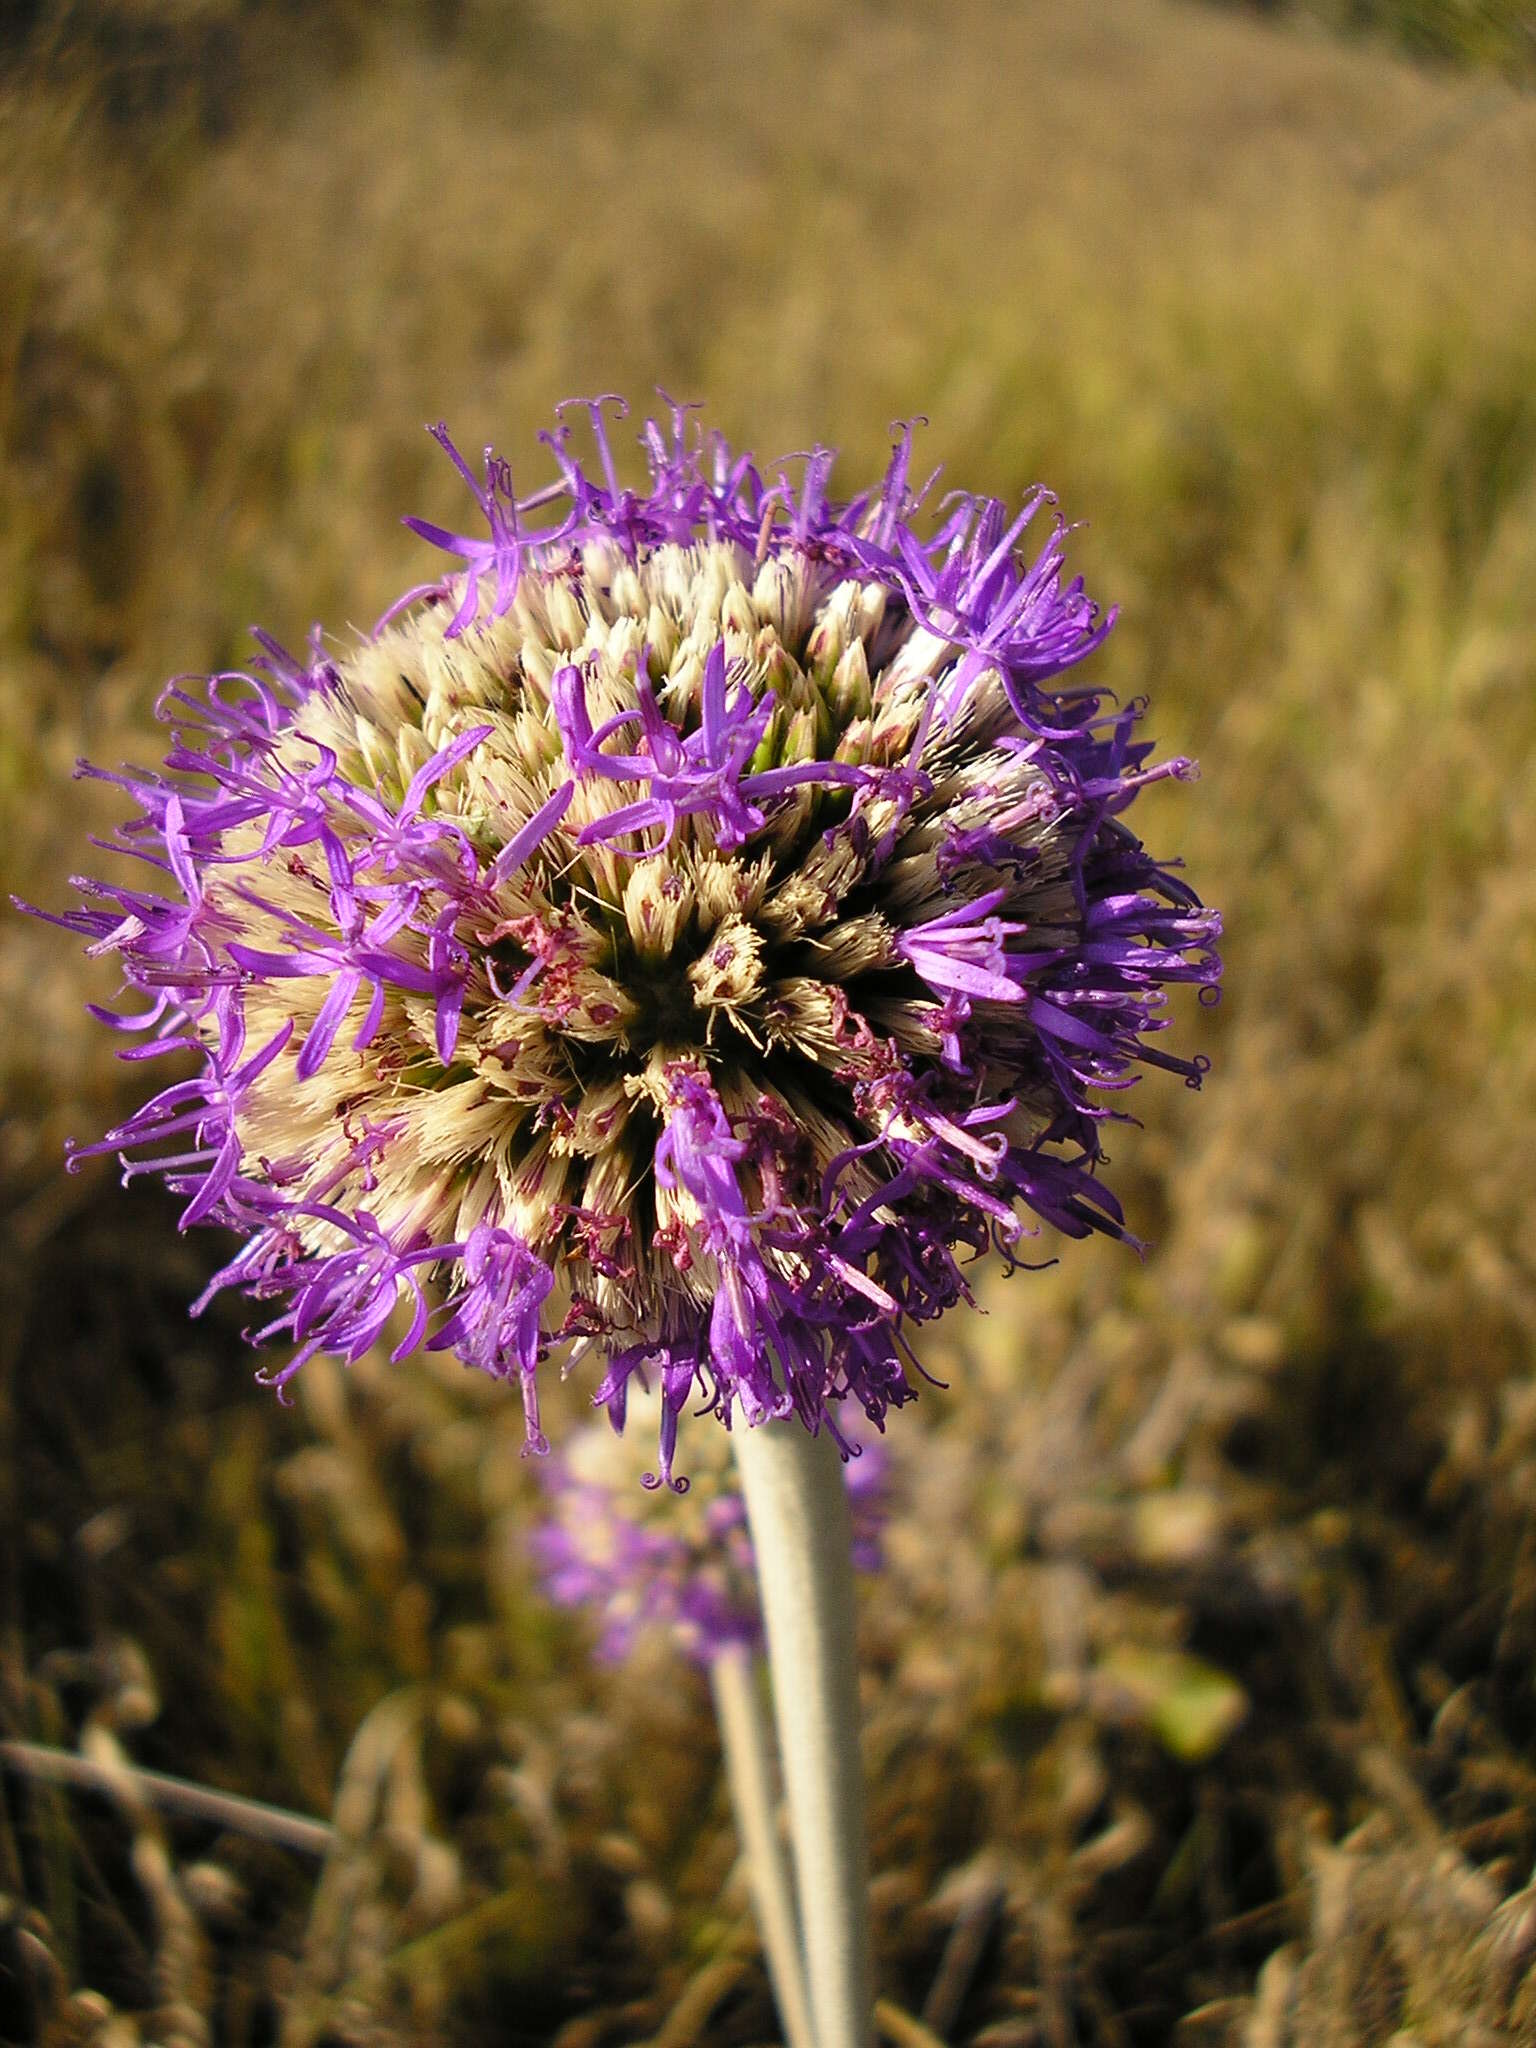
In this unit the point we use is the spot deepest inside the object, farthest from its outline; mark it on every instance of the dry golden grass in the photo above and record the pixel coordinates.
(1263, 309)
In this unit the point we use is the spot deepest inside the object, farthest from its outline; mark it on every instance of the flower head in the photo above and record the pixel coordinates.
(686, 934)
(637, 1561)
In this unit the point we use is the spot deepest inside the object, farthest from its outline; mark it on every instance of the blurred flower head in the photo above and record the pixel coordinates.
(684, 936)
(680, 1562)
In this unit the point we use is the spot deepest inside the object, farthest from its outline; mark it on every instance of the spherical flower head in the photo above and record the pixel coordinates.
(679, 940)
(678, 1562)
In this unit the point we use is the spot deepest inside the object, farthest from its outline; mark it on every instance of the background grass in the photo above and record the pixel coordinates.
(1199, 1698)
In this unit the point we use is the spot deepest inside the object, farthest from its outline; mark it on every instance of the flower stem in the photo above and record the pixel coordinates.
(797, 1508)
(745, 1738)
(296, 1831)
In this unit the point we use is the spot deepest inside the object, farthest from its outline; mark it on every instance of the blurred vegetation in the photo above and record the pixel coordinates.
(1500, 33)
(1199, 1688)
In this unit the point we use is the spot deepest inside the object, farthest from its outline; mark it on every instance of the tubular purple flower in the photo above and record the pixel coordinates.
(681, 938)
(495, 1323)
(682, 1567)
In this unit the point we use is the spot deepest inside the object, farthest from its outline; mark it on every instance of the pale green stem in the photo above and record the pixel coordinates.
(797, 1508)
(748, 1747)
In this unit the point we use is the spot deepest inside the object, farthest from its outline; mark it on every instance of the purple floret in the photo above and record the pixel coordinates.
(636, 1564)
